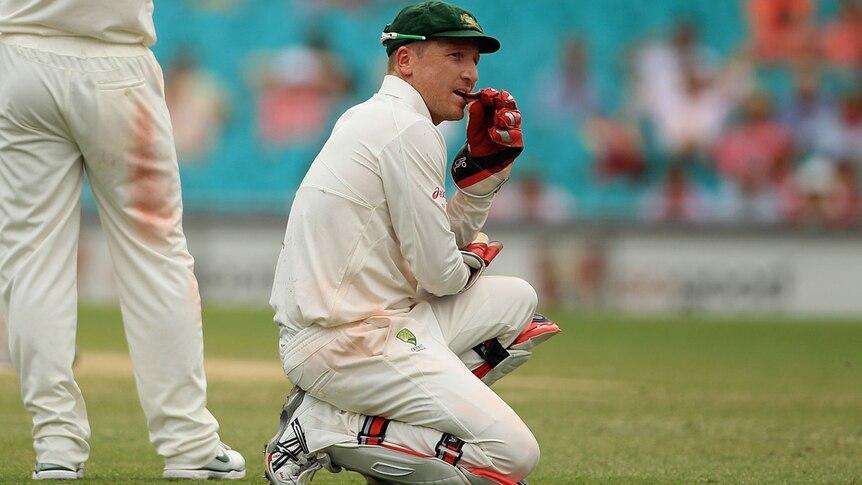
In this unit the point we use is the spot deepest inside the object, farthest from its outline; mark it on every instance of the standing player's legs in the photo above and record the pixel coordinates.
(125, 135)
(40, 185)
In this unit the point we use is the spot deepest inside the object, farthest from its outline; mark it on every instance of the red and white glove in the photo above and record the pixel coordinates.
(478, 255)
(494, 139)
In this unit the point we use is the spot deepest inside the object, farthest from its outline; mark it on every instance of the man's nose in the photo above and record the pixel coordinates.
(471, 74)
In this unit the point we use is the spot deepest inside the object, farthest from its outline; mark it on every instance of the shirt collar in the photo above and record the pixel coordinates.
(398, 88)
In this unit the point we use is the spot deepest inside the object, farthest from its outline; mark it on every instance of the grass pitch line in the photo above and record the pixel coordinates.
(117, 364)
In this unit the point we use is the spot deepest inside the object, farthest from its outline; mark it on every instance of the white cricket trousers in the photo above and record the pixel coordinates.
(415, 368)
(70, 106)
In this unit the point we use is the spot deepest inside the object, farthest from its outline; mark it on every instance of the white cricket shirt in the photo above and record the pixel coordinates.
(370, 227)
(116, 21)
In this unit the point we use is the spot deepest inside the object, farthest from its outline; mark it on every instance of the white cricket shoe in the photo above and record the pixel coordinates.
(227, 465)
(286, 459)
(49, 471)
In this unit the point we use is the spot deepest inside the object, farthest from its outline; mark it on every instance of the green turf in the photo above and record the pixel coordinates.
(612, 400)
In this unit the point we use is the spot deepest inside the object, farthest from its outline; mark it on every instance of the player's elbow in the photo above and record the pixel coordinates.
(442, 290)
(448, 283)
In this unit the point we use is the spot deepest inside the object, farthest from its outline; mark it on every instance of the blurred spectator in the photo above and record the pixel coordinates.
(842, 206)
(590, 273)
(659, 64)
(617, 149)
(569, 99)
(842, 37)
(789, 197)
(530, 199)
(297, 91)
(684, 95)
(568, 93)
(677, 198)
(807, 108)
(839, 136)
(547, 267)
(199, 107)
(690, 120)
(830, 193)
(815, 178)
(659, 67)
(747, 156)
(782, 30)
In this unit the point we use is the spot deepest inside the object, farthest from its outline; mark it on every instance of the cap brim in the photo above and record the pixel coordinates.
(487, 44)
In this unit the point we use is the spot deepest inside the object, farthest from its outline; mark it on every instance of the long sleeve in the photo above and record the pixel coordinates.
(412, 168)
(467, 216)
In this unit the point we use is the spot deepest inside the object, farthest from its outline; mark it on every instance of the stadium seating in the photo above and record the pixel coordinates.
(242, 175)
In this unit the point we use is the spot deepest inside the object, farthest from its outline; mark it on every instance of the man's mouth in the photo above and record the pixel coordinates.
(466, 95)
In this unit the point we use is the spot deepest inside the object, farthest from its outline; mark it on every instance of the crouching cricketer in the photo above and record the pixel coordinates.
(389, 332)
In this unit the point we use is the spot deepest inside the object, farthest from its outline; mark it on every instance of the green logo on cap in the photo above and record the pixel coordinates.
(406, 335)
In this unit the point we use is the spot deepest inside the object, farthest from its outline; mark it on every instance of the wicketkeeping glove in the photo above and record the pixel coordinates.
(494, 139)
(478, 255)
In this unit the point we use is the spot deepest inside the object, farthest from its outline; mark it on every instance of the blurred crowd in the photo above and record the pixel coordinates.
(709, 138)
(768, 132)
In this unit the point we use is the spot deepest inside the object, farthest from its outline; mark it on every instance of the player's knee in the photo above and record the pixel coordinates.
(520, 293)
(524, 296)
(526, 458)
(528, 294)
(518, 454)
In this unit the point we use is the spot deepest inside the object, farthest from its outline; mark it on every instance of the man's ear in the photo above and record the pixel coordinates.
(404, 58)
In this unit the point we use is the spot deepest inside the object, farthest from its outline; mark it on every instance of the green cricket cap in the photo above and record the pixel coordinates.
(430, 20)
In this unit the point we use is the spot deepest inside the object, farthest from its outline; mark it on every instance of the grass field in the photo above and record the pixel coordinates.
(612, 400)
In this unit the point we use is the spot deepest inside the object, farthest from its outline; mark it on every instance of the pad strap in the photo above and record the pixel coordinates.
(492, 352)
(449, 449)
(373, 430)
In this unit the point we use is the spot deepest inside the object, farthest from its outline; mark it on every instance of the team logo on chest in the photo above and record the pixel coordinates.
(406, 336)
(439, 193)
